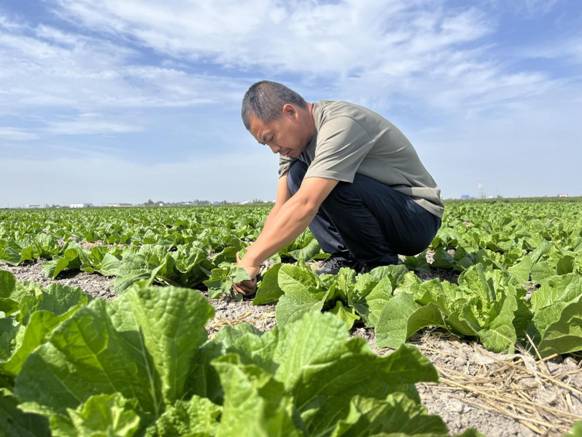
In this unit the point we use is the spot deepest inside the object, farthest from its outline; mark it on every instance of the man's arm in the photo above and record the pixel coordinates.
(290, 220)
(280, 198)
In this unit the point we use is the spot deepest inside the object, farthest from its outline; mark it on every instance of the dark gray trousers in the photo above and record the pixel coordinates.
(368, 220)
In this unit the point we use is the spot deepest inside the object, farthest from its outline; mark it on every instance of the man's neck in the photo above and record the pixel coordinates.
(311, 121)
(310, 108)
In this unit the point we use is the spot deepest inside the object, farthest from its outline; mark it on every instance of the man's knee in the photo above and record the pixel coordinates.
(342, 194)
(295, 175)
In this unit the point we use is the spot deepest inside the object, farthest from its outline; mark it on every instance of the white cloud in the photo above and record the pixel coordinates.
(523, 8)
(57, 36)
(365, 49)
(370, 50)
(535, 7)
(299, 36)
(568, 50)
(7, 24)
(15, 134)
(90, 124)
(47, 67)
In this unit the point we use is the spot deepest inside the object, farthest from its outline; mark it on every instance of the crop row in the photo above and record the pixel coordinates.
(142, 364)
(520, 268)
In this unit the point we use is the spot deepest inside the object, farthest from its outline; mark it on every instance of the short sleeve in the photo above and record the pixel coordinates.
(342, 145)
(284, 164)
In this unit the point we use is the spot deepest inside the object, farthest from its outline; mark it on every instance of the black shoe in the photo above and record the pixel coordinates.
(334, 263)
(389, 260)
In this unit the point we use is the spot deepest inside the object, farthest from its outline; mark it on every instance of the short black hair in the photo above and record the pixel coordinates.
(265, 99)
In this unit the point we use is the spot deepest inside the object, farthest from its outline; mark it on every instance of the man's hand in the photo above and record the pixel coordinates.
(282, 227)
(247, 288)
(291, 219)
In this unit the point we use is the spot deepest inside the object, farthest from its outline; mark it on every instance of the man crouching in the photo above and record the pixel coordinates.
(347, 173)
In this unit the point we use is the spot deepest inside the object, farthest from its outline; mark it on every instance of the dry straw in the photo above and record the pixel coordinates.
(518, 386)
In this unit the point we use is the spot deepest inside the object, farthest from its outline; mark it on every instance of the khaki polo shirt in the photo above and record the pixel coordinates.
(352, 139)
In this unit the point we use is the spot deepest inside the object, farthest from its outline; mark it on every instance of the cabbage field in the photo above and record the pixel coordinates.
(150, 350)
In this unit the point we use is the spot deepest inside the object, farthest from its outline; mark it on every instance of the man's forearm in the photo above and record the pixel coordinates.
(271, 218)
(282, 227)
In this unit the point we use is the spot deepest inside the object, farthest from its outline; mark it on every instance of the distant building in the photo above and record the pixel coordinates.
(562, 195)
(466, 197)
(80, 205)
(33, 206)
(117, 205)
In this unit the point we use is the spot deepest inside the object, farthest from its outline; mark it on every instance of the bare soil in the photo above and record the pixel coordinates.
(93, 284)
(499, 395)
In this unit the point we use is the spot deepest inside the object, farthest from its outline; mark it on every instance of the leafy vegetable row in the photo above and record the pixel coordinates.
(142, 365)
(488, 304)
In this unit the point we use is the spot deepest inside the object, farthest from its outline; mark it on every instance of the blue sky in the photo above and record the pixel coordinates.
(123, 101)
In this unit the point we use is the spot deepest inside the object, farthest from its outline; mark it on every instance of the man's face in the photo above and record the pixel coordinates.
(287, 135)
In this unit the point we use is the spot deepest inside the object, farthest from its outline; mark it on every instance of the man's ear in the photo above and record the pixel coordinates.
(289, 109)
